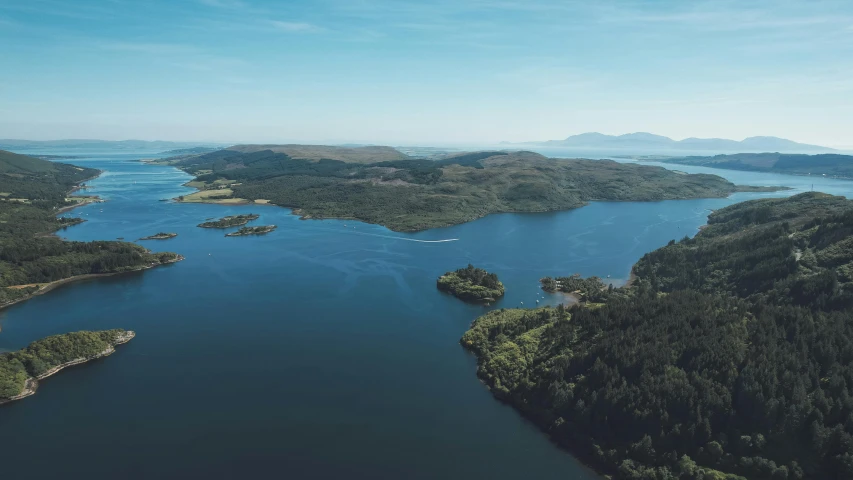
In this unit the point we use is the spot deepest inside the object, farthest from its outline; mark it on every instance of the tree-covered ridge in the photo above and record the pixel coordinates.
(29, 258)
(353, 154)
(230, 221)
(40, 357)
(832, 165)
(472, 284)
(731, 356)
(796, 251)
(25, 179)
(410, 195)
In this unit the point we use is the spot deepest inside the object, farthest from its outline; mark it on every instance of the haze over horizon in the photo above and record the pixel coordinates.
(438, 72)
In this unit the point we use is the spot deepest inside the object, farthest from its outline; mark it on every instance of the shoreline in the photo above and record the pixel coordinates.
(32, 383)
(47, 287)
(570, 297)
(576, 299)
(159, 237)
(631, 279)
(78, 187)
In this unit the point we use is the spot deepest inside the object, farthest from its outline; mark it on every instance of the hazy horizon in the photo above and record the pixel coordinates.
(345, 142)
(425, 73)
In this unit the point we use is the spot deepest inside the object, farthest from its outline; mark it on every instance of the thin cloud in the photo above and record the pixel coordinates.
(228, 4)
(296, 27)
(48, 8)
(150, 48)
(728, 16)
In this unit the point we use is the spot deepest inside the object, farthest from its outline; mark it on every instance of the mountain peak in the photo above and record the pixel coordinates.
(649, 141)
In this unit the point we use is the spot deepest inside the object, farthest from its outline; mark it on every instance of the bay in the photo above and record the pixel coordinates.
(320, 350)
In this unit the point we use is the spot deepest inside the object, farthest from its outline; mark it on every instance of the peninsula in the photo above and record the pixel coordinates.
(383, 186)
(589, 290)
(231, 221)
(728, 357)
(32, 192)
(160, 236)
(259, 230)
(472, 284)
(823, 165)
(21, 371)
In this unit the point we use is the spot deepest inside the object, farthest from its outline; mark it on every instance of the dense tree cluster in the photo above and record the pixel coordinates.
(230, 221)
(473, 284)
(732, 356)
(47, 353)
(780, 251)
(410, 195)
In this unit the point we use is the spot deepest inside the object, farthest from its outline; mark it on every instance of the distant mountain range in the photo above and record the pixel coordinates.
(648, 141)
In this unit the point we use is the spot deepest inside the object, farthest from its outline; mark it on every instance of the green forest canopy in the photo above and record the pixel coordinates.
(472, 283)
(42, 355)
(731, 356)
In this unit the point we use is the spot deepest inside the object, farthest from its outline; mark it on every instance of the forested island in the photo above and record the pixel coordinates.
(829, 165)
(729, 357)
(160, 236)
(32, 192)
(21, 371)
(259, 230)
(383, 186)
(230, 221)
(472, 284)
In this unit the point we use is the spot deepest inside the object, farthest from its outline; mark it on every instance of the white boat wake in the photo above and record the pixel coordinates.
(404, 238)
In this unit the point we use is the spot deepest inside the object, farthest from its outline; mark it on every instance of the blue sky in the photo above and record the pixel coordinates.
(429, 72)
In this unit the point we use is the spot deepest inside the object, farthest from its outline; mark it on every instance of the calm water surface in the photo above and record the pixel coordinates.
(321, 350)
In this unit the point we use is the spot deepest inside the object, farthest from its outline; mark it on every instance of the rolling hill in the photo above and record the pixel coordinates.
(411, 195)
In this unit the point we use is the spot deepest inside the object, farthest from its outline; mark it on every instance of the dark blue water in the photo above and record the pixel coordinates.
(321, 350)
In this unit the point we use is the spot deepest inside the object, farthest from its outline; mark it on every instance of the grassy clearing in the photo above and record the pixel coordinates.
(220, 195)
